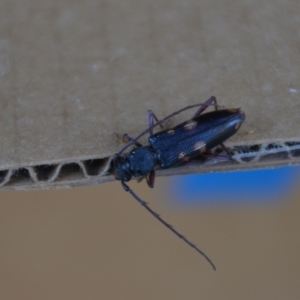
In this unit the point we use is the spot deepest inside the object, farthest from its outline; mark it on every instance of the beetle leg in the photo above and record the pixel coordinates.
(208, 158)
(127, 138)
(217, 158)
(205, 105)
(225, 149)
(150, 179)
(151, 118)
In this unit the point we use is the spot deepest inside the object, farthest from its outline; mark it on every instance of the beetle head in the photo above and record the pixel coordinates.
(121, 168)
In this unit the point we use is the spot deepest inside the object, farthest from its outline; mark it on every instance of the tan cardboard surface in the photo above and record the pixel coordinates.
(72, 73)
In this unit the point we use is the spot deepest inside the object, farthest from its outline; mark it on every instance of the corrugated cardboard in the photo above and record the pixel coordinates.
(74, 73)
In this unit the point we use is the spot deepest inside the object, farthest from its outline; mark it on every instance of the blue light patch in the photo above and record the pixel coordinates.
(243, 187)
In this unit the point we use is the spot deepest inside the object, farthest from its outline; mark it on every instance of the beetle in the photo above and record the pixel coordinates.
(174, 146)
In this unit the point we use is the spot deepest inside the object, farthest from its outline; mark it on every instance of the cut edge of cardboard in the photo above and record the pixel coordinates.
(99, 170)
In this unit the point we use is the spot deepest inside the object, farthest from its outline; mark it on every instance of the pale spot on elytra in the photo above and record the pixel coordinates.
(190, 125)
(200, 145)
(171, 131)
(181, 155)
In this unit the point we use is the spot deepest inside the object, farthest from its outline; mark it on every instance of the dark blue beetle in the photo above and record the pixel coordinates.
(176, 145)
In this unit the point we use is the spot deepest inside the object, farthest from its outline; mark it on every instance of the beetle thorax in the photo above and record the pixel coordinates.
(142, 161)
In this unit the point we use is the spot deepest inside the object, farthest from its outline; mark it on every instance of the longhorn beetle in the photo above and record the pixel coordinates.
(174, 146)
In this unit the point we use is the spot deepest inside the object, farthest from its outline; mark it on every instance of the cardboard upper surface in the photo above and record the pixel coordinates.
(73, 73)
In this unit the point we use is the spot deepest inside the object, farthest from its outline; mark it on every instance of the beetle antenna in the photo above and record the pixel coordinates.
(169, 226)
(133, 141)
